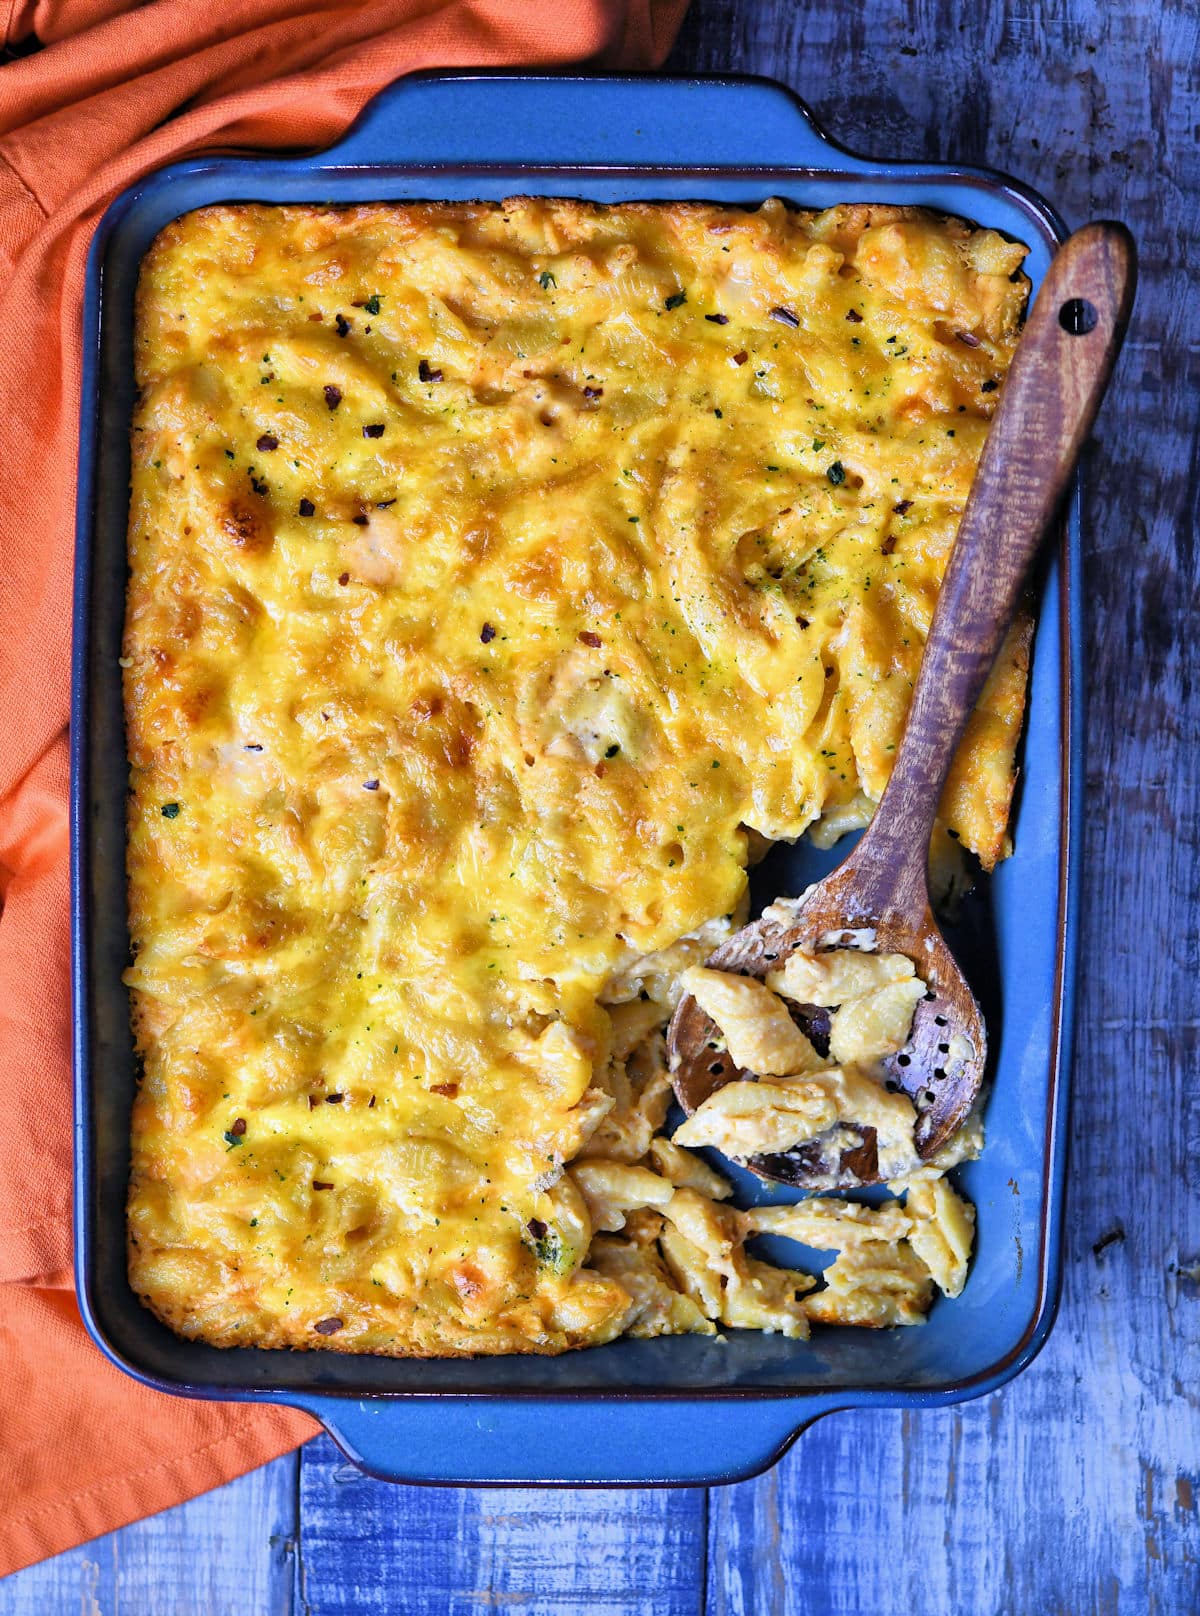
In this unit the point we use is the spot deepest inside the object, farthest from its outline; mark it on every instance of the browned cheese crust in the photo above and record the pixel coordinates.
(498, 572)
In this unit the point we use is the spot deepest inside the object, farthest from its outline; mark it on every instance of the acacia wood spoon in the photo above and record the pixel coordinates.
(1054, 387)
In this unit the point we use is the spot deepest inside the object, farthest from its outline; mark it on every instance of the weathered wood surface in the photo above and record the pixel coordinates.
(1075, 1489)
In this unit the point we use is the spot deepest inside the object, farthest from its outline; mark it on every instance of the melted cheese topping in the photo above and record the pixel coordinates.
(498, 574)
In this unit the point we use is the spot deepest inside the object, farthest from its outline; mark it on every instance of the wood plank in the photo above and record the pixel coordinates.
(370, 1549)
(1075, 1488)
(228, 1553)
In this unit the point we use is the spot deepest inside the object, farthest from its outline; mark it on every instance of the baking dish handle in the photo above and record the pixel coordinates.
(471, 1441)
(612, 121)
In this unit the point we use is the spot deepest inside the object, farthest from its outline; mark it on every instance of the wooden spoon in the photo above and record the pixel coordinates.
(878, 897)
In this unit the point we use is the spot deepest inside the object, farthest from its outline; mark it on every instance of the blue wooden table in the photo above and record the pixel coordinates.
(1074, 1490)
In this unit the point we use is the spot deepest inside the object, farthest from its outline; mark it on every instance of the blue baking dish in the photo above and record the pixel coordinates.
(675, 1410)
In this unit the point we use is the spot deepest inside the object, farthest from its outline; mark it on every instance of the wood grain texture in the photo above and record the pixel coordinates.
(545, 1552)
(1075, 1489)
(1073, 1492)
(228, 1553)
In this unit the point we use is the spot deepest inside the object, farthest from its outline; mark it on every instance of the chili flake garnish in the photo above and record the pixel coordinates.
(267, 443)
(487, 633)
(426, 372)
(307, 508)
(373, 430)
(784, 317)
(328, 1326)
(343, 325)
(333, 396)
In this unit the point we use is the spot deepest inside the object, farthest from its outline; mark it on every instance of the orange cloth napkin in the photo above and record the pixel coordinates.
(118, 89)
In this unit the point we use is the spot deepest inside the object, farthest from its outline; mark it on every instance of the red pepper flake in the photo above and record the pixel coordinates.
(333, 396)
(343, 325)
(371, 1103)
(267, 442)
(238, 1127)
(854, 317)
(370, 785)
(334, 1099)
(487, 633)
(448, 1089)
(321, 1184)
(316, 316)
(591, 639)
(593, 392)
(903, 507)
(374, 430)
(717, 319)
(740, 357)
(784, 317)
(426, 372)
(969, 338)
(328, 1326)
(537, 1228)
(361, 519)
(313, 1102)
(344, 579)
(307, 508)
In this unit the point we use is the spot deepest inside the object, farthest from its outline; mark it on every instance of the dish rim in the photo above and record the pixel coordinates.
(1043, 217)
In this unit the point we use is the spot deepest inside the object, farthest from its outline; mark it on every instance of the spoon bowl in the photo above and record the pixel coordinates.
(940, 1068)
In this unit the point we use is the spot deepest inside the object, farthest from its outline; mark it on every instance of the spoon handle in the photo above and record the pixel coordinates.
(1053, 390)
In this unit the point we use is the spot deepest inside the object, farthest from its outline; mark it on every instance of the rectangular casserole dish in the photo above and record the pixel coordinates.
(721, 1410)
